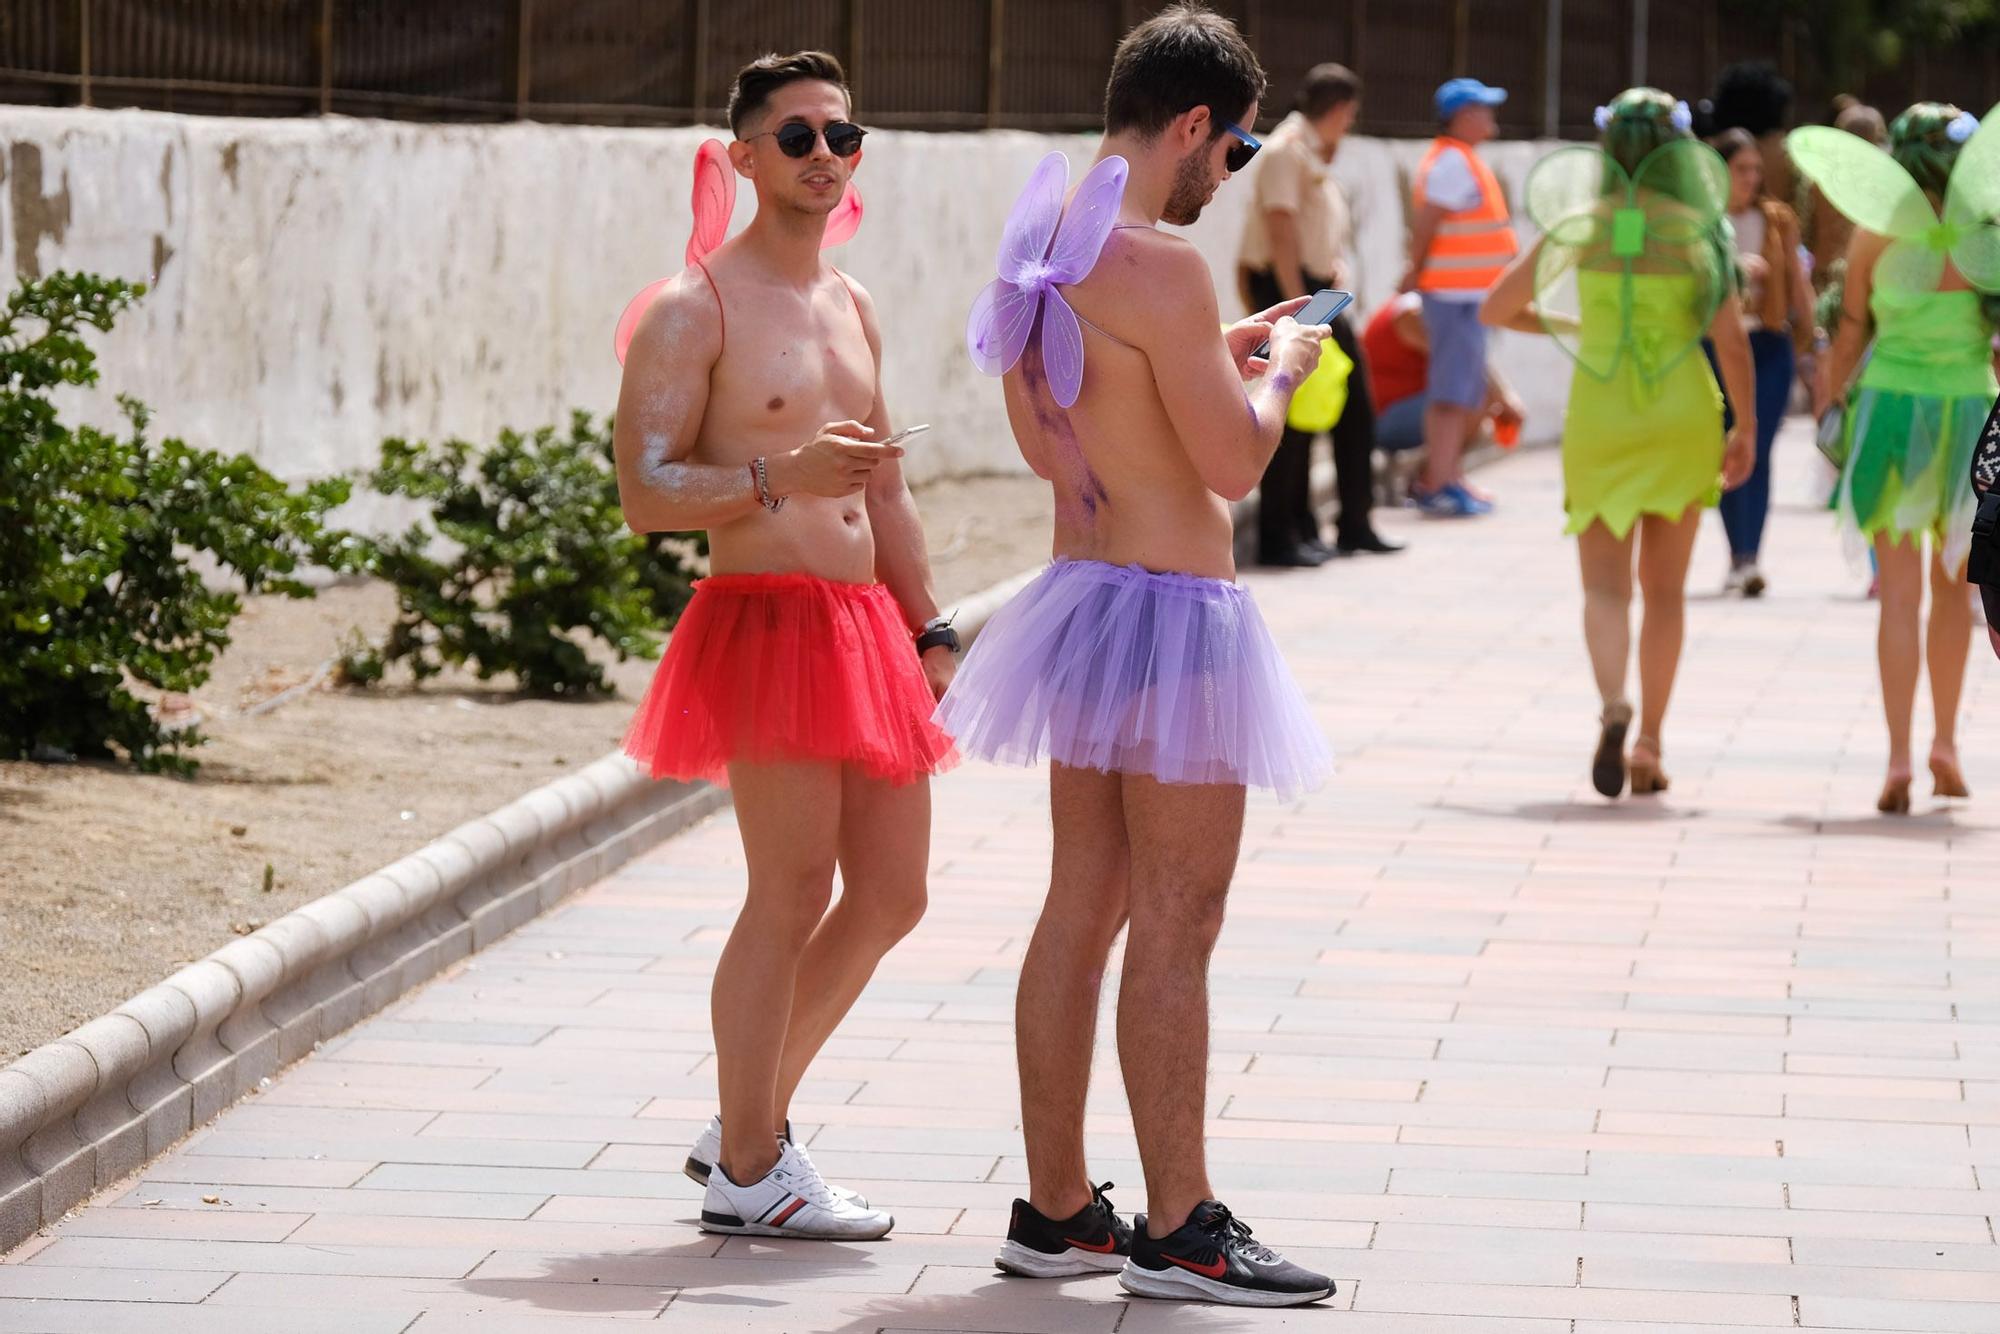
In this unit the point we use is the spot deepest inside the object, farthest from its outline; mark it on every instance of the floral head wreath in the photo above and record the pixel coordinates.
(1680, 118)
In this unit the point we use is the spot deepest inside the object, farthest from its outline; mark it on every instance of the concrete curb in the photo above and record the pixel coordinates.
(94, 1106)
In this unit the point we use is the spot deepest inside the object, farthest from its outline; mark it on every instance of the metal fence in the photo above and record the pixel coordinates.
(941, 64)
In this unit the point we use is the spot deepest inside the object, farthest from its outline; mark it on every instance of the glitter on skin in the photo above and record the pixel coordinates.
(1079, 493)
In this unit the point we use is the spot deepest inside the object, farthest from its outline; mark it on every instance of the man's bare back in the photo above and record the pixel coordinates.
(1156, 692)
(1163, 436)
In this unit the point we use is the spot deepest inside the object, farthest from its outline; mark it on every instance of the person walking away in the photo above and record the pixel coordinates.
(1776, 297)
(1925, 293)
(1639, 220)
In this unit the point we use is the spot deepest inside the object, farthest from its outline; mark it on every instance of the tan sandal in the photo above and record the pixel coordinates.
(1647, 776)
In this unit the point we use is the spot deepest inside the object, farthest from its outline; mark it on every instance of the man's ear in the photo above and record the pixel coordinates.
(741, 158)
(1193, 128)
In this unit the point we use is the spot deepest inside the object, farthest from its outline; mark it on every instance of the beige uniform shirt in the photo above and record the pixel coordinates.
(1290, 177)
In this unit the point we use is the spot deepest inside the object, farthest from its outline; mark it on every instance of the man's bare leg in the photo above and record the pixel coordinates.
(1184, 840)
(1447, 426)
(885, 844)
(1062, 979)
(789, 815)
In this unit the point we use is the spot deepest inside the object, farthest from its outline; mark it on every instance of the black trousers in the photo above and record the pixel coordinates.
(1285, 514)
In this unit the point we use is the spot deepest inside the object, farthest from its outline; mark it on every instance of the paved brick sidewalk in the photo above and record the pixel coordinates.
(1498, 1055)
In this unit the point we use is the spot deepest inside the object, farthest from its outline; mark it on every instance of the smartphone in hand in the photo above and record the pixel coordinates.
(1326, 304)
(908, 431)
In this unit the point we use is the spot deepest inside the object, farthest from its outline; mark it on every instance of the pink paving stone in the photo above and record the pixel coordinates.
(1554, 1028)
(115, 1317)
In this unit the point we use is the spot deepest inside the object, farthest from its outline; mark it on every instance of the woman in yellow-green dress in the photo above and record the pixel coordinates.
(1633, 268)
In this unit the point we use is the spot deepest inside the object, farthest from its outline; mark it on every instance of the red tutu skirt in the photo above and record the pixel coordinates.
(777, 667)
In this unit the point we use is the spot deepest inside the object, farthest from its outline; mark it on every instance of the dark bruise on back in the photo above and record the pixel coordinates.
(1077, 486)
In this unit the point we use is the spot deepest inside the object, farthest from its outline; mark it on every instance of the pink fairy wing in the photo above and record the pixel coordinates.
(714, 199)
(1002, 316)
(1024, 243)
(844, 221)
(1062, 349)
(629, 321)
(1088, 221)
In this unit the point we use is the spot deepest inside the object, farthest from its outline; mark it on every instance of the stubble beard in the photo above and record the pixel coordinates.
(1191, 188)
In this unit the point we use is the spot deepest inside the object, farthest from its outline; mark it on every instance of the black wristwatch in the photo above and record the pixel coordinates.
(937, 631)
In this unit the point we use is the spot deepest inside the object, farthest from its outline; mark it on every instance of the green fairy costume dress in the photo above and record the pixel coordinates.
(1916, 414)
(1631, 271)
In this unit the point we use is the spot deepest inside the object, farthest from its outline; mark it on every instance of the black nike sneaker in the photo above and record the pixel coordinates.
(1095, 1240)
(1212, 1258)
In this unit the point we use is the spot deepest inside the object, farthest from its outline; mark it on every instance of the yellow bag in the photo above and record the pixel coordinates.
(1323, 397)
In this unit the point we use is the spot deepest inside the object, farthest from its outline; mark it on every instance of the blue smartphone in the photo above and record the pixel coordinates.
(1326, 303)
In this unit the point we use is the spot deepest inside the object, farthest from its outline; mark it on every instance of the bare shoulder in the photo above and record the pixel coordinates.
(864, 303)
(1154, 270)
(684, 322)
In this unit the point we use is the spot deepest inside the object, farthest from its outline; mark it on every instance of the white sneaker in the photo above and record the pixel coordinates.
(1734, 582)
(707, 1151)
(790, 1201)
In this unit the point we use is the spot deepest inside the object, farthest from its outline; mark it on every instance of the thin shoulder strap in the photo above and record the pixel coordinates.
(853, 301)
(848, 283)
(716, 292)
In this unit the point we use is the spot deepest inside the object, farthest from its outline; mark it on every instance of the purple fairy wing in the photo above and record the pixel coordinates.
(1062, 349)
(1024, 243)
(1088, 221)
(1002, 316)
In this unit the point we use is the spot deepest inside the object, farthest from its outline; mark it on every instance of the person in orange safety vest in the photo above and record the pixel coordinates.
(1460, 240)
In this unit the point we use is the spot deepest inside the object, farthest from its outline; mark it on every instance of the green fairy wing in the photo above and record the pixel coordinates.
(1610, 236)
(1682, 191)
(1570, 195)
(1874, 192)
(1972, 207)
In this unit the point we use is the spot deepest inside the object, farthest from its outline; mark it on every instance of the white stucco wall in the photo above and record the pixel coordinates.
(321, 284)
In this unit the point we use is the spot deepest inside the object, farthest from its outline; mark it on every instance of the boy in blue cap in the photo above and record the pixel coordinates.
(1461, 239)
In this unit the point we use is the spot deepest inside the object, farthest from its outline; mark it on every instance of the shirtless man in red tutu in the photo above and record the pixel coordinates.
(805, 669)
(1135, 662)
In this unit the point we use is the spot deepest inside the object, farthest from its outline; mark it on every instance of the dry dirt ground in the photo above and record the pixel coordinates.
(110, 880)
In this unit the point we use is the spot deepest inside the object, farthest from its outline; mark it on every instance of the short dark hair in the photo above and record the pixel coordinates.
(765, 75)
(1326, 87)
(1753, 97)
(1732, 141)
(1185, 56)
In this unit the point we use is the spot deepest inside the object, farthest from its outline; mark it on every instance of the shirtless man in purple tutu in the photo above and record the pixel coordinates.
(1135, 662)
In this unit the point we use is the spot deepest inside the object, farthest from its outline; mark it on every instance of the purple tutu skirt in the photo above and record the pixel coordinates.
(1117, 668)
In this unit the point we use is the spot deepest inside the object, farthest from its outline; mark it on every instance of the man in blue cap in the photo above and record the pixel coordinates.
(1460, 241)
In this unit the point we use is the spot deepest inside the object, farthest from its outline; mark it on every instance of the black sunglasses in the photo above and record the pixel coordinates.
(1239, 153)
(796, 139)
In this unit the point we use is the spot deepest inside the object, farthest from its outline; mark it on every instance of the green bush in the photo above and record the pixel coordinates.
(523, 558)
(98, 585)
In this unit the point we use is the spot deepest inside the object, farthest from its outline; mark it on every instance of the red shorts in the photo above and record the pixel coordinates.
(774, 667)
